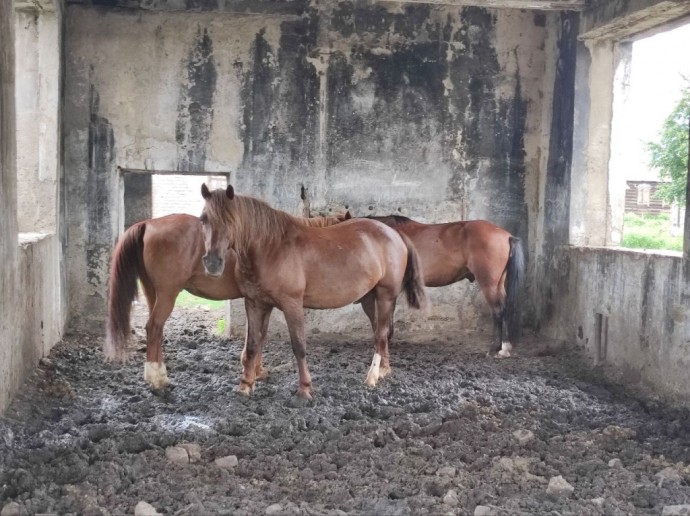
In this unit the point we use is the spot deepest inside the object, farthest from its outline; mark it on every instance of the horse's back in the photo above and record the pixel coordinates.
(357, 255)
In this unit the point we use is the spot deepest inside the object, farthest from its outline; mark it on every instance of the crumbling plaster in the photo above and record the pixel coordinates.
(32, 315)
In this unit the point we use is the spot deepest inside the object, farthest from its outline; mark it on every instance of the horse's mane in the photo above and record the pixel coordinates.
(253, 221)
(391, 220)
(321, 222)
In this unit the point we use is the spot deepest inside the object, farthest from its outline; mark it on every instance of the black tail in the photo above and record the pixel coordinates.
(413, 281)
(515, 269)
(125, 268)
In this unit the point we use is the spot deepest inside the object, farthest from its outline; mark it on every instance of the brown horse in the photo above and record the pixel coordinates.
(165, 255)
(283, 264)
(473, 250)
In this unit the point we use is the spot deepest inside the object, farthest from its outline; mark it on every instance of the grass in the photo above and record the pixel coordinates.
(187, 300)
(650, 231)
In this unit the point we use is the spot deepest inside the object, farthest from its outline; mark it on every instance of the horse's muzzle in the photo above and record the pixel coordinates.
(213, 264)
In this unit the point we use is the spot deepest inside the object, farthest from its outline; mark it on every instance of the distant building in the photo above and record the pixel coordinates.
(641, 197)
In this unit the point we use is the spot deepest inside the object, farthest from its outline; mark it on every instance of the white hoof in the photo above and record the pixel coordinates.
(506, 348)
(374, 371)
(156, 375)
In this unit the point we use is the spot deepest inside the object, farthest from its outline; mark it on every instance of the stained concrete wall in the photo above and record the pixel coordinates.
(644, 324)
(432, 112)
(629, 309)
(32, 314)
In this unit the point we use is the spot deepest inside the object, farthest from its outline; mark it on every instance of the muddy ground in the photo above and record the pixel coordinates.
(437, 437)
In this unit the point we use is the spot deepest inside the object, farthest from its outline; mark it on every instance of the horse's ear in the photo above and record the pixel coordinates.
(230, 192)
(204, 191)
(348, 215)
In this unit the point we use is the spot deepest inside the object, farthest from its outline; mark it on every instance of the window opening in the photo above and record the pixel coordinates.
(646, 95)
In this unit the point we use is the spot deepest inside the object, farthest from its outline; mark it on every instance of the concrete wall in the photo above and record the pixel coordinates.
(629, 309)
(32, 313)
(432, 112)
(645, 319)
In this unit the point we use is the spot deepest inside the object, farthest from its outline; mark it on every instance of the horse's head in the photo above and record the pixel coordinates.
(217, 237)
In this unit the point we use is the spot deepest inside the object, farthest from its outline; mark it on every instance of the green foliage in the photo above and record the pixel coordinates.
(220, 327)
(670, 153)
(187, 300)
(649, 231)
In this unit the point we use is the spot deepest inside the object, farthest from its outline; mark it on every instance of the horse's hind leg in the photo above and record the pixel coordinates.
(380, 364)
(496, 301)
(369, 306)
(155, 372)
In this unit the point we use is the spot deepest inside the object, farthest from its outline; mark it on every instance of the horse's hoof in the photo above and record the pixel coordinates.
(304, 393)
(371, 381)
(504, 353)
(384, 372)
(244, 389)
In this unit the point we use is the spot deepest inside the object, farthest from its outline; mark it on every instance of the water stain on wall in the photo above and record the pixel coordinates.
(195, 108)
(101, 155)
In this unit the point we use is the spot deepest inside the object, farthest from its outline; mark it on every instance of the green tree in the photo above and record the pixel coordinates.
(670, 153)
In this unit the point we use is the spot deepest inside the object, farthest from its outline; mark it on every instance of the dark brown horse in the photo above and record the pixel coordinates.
(165, 255)
(283, 264)
(473, 250)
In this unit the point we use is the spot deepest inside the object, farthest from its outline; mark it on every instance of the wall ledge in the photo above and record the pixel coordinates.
(27, 239)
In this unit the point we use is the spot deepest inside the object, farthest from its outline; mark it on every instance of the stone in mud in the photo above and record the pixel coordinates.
(275, 508)
(676, 510)
(615, 463)
(599, 501)
(451, 498)
(558, 486)
(523, 437)
(145, 509)
(484, 510)
(193, 450)
(177, 454)
(668, 475)
(228, 462)
(446, 471)
(11, 509)
(618, 432)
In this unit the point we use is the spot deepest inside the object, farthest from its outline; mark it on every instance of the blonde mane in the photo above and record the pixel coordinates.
(251, 221)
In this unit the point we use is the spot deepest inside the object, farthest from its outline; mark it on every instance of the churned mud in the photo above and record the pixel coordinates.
(450, 430)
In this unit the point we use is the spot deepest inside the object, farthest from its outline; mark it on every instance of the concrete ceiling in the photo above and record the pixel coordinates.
(280, 5)
(34, 5)
(543, 5)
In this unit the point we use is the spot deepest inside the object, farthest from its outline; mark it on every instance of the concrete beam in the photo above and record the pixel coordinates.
(541, 5)
(264, 7)
(624, 20)
(35, 5)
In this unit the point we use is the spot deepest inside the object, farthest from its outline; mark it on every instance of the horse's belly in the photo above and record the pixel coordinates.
(213, 288)
(336, 294)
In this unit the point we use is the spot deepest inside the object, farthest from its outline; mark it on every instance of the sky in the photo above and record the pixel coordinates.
(658, 65)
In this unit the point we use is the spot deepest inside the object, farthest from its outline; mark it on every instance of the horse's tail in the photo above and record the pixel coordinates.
(126, 267)
(515, 269)
(413, 281)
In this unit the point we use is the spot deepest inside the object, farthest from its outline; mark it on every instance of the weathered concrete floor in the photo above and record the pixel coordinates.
(436, 437)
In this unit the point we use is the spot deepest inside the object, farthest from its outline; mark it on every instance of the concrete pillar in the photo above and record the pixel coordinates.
(590, 183)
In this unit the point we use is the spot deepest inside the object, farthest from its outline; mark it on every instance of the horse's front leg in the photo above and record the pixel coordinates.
(294, 315)
(261, 373)
(258, 316)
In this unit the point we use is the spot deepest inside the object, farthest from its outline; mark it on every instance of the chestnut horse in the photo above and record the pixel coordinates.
(281, 263)
(473, 250)
(165, 255)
